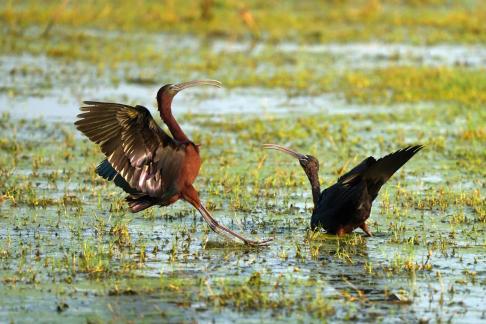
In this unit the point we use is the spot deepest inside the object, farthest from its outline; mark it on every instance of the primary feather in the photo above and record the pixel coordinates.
(139, 151)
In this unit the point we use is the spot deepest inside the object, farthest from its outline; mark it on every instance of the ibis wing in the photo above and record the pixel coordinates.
(357, 170)
(376, 172)
(379, 173)
(135, 146)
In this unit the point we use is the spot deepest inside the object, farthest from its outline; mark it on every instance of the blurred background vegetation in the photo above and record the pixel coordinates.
(122, 37)
(417, 21)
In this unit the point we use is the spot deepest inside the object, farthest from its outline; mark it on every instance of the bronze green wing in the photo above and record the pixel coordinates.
(135, 146)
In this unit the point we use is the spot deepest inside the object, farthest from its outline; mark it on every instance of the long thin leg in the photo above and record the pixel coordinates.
(365, 229)
(340, 231)
(226, 232)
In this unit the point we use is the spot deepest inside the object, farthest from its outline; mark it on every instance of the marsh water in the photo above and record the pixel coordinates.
(69, 250)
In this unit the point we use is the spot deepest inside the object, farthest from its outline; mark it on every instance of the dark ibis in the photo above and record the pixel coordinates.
(153, 168)
(346, 205)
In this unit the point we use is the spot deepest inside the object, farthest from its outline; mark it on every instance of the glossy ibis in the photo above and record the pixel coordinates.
(346, 205)
(143, 160)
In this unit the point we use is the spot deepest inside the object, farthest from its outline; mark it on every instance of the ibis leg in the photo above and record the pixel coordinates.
(226, 232)
(365, 229)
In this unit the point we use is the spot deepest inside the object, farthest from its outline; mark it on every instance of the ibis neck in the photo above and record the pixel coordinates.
(315, 185)
(165, 110)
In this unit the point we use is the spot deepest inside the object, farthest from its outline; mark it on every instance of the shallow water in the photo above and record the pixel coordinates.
(70, 251)
(375, 54)
(62, 102)
(351, 54)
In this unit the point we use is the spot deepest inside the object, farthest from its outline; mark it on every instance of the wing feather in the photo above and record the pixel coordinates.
(386, 166)
(357, 170)
(146, 157)
(377, 172)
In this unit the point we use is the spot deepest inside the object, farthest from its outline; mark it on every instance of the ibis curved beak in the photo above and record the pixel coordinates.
(285, 150)
(184, 85)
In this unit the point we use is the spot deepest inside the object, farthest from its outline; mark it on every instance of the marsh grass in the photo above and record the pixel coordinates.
(318, 21)
(67, 241)
(81, 233)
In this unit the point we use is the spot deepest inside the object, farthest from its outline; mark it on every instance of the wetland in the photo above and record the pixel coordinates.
(365, 78)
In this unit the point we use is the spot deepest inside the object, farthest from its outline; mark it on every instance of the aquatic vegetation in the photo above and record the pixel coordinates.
(411, 84)
(100, 240)
(69, 248)
(318, 21)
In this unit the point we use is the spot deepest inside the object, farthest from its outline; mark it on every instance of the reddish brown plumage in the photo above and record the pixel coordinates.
(152, 167)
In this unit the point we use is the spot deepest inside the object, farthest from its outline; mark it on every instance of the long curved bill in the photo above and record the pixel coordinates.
(195, 83)
(285, 150)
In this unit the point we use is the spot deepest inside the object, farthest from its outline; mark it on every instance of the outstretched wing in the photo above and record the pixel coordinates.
(136, 147)
(357, 170)
(377, 172)
(385, 167)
